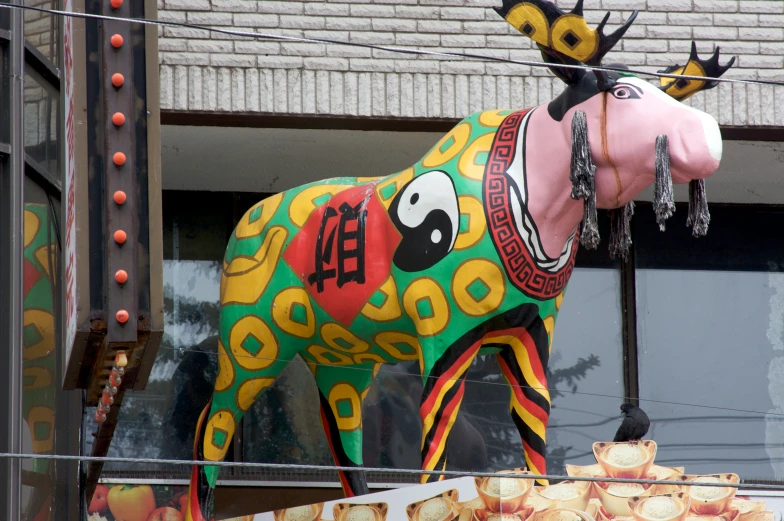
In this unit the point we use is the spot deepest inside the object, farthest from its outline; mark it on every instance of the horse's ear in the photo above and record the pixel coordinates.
(682, 88)
(563, 38)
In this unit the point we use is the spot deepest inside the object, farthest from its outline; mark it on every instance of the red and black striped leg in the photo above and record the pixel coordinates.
(200, 494)
(523, 360)
(354, 482)
(443, 392)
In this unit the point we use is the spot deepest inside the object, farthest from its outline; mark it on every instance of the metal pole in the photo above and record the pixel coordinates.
(16, 242)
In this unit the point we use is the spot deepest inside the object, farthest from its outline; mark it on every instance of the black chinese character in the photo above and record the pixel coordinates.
(348, 214)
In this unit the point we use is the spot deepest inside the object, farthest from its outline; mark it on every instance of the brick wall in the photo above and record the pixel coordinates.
(212, 72)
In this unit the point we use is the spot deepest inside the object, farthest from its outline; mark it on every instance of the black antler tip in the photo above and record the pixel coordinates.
(578, 8)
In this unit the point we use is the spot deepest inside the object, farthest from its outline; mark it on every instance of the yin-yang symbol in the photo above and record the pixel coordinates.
(427, 215)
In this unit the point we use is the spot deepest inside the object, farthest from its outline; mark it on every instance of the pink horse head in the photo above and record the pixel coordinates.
(625, 133)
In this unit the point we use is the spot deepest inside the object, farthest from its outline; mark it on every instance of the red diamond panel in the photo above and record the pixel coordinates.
(353, 257)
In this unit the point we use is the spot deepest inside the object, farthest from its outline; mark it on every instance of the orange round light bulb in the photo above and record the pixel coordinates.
(116, 40)
(122, 316)
(120, 237)
(120, 197)
(116, 3)
(118, 118)
(118, 79)
(119, 158)
(121, 276)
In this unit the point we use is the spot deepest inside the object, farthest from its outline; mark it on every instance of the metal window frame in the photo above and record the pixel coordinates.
(17, 168)
(11, 284)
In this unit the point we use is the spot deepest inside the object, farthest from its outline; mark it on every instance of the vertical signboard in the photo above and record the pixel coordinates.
(69, 216)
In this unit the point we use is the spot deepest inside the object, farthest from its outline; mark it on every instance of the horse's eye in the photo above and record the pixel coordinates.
(623, 92)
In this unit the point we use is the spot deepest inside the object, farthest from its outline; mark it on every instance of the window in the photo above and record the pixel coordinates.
(710, 314)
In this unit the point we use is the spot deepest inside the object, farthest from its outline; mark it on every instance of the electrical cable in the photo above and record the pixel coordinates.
(502, 384)
(450, 473)
(401, 50)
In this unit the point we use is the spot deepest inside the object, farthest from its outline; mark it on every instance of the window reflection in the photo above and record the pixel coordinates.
(41, 121)
(714, 338)
(160, 421)
(39, 334)
(42, 30)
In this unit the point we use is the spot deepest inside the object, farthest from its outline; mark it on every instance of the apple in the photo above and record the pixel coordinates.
(131, 503)
(165, 514)
(99, 503)
(183, 504)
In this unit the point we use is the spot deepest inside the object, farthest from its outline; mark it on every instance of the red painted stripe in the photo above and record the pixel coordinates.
(533, 355)
(533, 408)
(343, 480)
(427, 405)
(536, 459)
(441, 430)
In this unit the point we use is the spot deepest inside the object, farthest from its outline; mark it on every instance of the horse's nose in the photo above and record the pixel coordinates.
(710, 129)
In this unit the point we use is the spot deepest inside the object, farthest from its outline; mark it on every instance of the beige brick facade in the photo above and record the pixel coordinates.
(212, 72)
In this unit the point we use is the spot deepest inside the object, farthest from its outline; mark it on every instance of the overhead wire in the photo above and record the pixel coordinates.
(336, 468)
(394, 49)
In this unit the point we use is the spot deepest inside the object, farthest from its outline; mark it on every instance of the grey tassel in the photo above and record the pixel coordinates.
(621, 231)
(583, 182)
(589, 237)
(663, 200)
(699, 215)
(582, 168)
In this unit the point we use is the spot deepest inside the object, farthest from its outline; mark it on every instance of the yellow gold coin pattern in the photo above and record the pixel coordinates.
(549, 326)
(449, 146)
(344, 392)
(485, 275)
(325, 356)
(690, 69)
(568, 34)
(472, 162)
(559, 299)
(531, 17)
(250, 389)
(390, 308)
(46, 257)
(43, 322)
(36, 378)
(390, 340)
(472, 208)
(570, 28)
(426, 304)
(493, 118)
(41, 415)
(260, 215)
(226, 374)
(249, 334)
(304, 202)
(341, 339)
(221, 427)
(31, 225)
(364, 358)
(283, 308)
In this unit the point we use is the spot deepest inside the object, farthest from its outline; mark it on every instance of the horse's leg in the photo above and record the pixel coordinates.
(523, 361)
(241, 378)
(444, 386)
(341, 392)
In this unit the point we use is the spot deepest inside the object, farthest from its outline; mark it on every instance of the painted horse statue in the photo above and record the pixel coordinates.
(467, 252)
